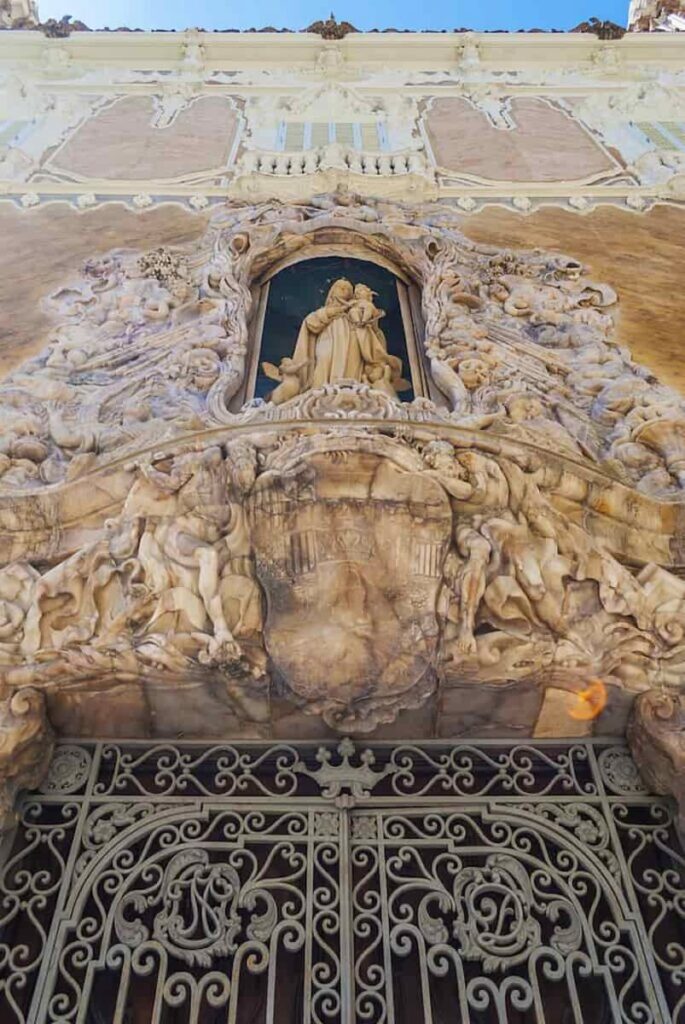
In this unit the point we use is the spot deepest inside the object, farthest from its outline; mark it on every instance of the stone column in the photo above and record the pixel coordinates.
(656, 735)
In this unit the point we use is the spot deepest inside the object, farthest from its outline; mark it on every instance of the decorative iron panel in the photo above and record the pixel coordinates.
(472, 883)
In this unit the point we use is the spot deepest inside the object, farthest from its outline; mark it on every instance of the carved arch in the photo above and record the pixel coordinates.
(353, 246)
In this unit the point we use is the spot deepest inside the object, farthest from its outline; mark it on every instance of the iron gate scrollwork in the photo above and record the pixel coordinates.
(471, 882)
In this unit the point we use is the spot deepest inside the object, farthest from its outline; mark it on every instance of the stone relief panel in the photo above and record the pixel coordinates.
(603, 88)
(332, 131)
(140, 138)
(50, 243)
(645, 123)
(336, 559)
(344, 575)
(520, 139)
(147, 346)
(36, 121)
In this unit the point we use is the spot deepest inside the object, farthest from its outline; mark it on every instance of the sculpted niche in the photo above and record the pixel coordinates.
(331, 558)
(342, 342)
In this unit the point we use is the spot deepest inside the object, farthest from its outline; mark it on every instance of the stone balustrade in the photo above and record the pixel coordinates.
(334, 157)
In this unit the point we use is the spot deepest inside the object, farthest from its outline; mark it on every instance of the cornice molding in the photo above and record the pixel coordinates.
(164, 50)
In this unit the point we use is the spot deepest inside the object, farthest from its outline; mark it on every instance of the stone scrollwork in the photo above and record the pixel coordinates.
(145, 347)
(350, 572)
(333, 551)
(656, 734)
(26, 743)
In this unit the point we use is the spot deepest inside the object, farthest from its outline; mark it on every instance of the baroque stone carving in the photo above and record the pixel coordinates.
(347, 571)
(334, 551)
(18, 13)
(656, 734)
(341, 342)
(26, 743)
(147, 347)
(331, 29)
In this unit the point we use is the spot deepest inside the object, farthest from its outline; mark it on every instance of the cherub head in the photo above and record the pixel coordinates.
(524, 407)
(473, 372)
(439, 455)
(362, 291)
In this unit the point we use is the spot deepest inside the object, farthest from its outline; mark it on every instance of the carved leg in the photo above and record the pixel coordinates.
(656, 734)
(208, 585)
(476, 549)
(26, 743)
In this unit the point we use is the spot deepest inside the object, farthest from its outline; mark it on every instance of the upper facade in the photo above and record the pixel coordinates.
(518, 120)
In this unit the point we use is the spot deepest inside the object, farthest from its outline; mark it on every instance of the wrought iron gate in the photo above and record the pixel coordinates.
(256, 884)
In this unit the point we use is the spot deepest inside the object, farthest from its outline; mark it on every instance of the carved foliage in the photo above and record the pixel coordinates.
(426, 560)
(146, 347)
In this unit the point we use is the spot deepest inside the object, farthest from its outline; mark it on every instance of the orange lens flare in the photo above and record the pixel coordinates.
(591, 701)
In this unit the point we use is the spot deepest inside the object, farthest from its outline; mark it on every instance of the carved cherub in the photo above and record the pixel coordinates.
(439, 456)
(288, 373)
(362, 310)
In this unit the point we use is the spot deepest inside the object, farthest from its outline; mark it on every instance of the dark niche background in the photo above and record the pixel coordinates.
(300, 289)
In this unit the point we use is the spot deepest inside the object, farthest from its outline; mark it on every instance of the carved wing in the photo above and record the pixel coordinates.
(271, 371)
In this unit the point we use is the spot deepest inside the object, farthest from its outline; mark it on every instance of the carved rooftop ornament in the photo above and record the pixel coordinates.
(602, 29)
(23, 14)
(181, 557)
(331, 29)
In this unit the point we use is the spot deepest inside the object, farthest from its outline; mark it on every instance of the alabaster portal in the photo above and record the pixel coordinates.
(495, 555)
(342, 525)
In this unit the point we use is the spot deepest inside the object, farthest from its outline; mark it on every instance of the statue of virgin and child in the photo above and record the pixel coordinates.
(341, 342)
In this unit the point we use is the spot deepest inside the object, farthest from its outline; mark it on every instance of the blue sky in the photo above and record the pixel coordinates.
(432, 14)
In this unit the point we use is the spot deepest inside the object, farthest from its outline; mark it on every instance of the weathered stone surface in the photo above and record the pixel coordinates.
(538, 142)
(188, 565)
(50, 244)
(349, 550)
(612, 243)
(656, 734)
(26, 742)
(132, 140)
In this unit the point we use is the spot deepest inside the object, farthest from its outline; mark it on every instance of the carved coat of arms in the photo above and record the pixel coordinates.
(350, 558)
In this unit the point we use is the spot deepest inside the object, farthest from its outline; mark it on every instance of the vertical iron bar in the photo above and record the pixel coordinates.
(346, 948)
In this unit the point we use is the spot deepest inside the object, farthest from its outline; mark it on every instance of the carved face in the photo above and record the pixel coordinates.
(473, 372)
(439, 455)
(200, 369)
(340, 291)
(525, 407)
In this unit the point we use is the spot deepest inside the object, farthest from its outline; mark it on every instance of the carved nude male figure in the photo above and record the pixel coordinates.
(467, 579)
(184, 552)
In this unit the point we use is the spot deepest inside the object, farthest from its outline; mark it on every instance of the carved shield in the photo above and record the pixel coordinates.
(349, 550)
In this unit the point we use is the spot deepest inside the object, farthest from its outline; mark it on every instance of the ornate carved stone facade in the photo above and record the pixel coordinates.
(514, 531)
(482, 536)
